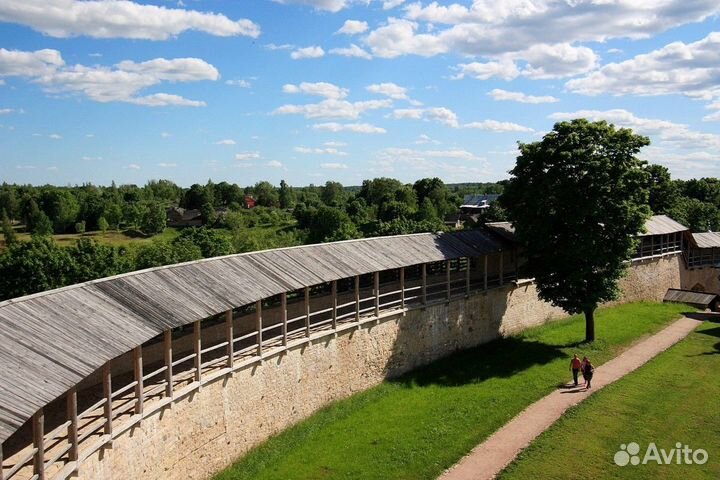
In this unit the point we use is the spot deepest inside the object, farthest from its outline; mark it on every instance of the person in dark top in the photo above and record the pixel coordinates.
(575, 367)
(588, 371)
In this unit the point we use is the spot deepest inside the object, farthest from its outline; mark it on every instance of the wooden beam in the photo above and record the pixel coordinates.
(307, 312)
(467, 276)
(138, 369)
(167, 348)
(424, 284)
(2, 474)
(447, 280)
(38, 423)
(259, 326)
(357, 299)
(402, 287)
(72, 415)
(333, 288)
(283, 308)
(376, 288)
(107, 407)
(197, 344)
(230, 336)
(485, 273)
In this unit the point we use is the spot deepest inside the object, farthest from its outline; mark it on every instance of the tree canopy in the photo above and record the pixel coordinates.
(577, 199)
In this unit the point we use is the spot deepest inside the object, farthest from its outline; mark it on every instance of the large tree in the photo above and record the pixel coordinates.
(577, 199)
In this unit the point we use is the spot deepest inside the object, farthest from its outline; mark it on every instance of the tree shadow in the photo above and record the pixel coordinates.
(500, 358)
(703, 316)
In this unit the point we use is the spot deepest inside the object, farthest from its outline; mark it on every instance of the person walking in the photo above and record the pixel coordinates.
(575, 365)
(588, 371)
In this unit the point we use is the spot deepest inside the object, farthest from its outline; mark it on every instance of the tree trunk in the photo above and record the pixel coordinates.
(589, 323)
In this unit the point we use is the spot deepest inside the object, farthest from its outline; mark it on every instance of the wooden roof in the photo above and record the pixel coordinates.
(707, 240)
(52, 340)
(690, 297)
(661, 225)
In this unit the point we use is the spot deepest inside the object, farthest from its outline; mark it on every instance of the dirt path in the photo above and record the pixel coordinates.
(490, 457)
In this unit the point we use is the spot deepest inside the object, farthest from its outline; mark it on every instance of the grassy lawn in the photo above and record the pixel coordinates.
(111, 237)
(418, 425)
(674, 398)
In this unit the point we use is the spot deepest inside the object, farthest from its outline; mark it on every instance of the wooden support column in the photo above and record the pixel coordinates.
(138, 369)
(500, 268)
(307, 312)
(448, 291)
(357, 299)
(402, 287)
(2, 475)
(72, 415)
(283, 308)
(423, 289)
(230, 336)
(38, 423)
(259, 326)
(467, 277)
(197, 344)
(333, 287)
(376, 288)
(485, 273)
(168, 356)
(107, 407)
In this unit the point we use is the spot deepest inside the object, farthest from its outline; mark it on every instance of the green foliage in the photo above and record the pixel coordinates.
(41, 225)
(577, 199)
(404, 226)
(153, 218)
(197, 196)
(662, 192)
(80, 227)
(34, 266)
(8, 231)
(286, 196)
(208, 215)
(9, 202)
(210, 242)
(697, 215)
(333, 194)
(159, 253)
(326, 223)
(103, 224)
(266, 195)
(90, 260)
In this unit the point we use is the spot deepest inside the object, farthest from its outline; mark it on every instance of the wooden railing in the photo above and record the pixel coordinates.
(120, 402)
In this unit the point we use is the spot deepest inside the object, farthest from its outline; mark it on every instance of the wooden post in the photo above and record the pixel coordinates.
(485, 258)
(283, 307)
(376, 287)
(107, 393)
(230, 335)
(424, 284)
(167, 347)
(259, 326)
(2, 475)
(138, 368)
(307, 312)
(447, 279)
(402, 287)
(333, 287)
(72, 415)
(500, 268)
(357, 299)
(197, 344)
(467, 277)
(39, 443)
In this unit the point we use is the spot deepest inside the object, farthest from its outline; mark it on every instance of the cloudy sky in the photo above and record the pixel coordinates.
(316, 90)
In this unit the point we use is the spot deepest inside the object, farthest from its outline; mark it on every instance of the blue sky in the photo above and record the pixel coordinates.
(317, 90)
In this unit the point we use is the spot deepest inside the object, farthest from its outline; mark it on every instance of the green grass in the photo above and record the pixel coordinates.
(674, 398)
(112, 237)
(416, 426)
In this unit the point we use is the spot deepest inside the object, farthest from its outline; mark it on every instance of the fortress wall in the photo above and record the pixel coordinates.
(707, 277)
(204, 432)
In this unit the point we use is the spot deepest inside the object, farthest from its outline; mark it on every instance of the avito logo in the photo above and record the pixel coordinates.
(680, 455)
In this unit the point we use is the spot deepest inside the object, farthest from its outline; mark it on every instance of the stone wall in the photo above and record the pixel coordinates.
(708, 278)
(203, 433)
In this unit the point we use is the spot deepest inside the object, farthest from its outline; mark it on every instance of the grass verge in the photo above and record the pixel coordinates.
(416, 426)
(672, 399)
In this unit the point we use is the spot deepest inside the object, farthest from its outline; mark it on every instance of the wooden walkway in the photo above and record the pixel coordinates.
(489, 458)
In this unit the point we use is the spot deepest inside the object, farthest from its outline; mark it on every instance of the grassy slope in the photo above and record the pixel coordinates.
(416, 426)
(674, 398)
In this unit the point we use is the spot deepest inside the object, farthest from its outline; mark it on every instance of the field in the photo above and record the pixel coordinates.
(674, 398)
(110, 237)
(420, 424)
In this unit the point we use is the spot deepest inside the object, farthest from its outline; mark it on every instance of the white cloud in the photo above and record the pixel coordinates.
(284, 46)
(506, 69)
(165, 134)
(225, 142)
(712, 117)
(388, 89)
(557, 61)
(425, 139)
(495, 126)
(320, 89)
(351, 51)
(692, 69)
(103, 84)
(55, 136)
(452, 165)
(274, 164)
(353, 27)
(332, 108)
(390, 4)
(25, 167)
(52, 168)
(167, 165)
(438, 114)
(334, 166)
(328, 5)
(335, 144)
(247, 156)
(349, 127)
(239, 83)
(133, 166)
(118, 19)
(499, 94)
(321, 151)
(8, 111)
(307, 52)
